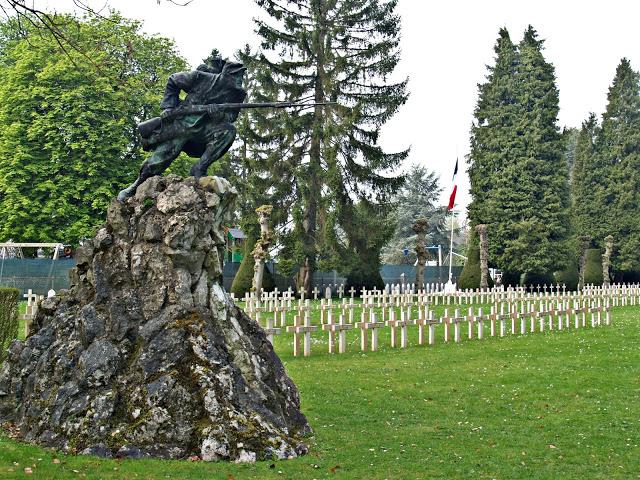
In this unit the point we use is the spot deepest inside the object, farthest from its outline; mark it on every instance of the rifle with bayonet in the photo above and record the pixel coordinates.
(226, 107)
(147, 128)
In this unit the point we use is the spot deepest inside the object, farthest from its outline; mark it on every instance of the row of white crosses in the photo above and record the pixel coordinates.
(513, 304)
(621, 293)
(277, 307)
(515, 317)
(543, 316)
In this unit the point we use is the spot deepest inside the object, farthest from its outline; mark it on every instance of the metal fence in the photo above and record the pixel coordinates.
(393, 274)
(37, 274)
(40, 275)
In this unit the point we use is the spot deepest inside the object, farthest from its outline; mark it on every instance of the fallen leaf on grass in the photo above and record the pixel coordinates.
(28, 470)
(56, 461)
(230, 477)
(552, 446)
(334, 469)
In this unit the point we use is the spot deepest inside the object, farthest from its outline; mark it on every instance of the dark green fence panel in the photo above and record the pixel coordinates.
(37, 274)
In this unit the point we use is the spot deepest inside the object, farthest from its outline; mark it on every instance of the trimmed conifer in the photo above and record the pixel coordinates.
(470, 275)
(619, 147)
(518, 173)
(593, 267)
(243, 280)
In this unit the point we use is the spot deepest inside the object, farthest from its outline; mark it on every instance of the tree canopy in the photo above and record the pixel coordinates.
(417, 198)
(68, 138)
(606, 177)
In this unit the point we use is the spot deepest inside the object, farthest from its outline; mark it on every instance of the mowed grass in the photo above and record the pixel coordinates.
(556, 405)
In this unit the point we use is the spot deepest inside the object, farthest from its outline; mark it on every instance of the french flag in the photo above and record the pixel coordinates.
(452, 198)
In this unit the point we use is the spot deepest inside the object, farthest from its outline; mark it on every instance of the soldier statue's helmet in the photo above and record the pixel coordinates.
(214, 65)
(232, 68)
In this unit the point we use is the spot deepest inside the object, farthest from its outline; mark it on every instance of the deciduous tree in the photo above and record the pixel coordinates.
(68, 127)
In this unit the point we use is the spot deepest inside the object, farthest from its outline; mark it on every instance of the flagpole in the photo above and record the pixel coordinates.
(450, 287)
(453, 216)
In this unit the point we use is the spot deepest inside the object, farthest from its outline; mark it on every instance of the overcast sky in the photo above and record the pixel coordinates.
(445, 49)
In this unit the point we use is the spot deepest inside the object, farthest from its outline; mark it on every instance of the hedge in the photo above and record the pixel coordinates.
(593, 267)
(470, 275)
(568, 277)
(533, 279)
(8, 318)
(364, 276)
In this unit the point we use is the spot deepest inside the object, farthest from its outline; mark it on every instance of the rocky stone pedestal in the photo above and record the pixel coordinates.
(146, 354)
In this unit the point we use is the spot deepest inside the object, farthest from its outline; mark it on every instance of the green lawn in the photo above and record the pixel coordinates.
(554, 405)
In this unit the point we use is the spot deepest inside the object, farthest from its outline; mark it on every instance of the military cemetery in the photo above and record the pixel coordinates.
(316, 239)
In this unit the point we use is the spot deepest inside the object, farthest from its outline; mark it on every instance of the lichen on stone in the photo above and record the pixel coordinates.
(146, 355)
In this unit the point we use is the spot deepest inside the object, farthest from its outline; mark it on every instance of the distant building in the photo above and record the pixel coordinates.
(235, 245)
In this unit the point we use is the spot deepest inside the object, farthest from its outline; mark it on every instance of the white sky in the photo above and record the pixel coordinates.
(445, 48)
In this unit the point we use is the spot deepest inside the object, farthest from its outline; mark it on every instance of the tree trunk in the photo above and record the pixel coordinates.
(313, 187)
(584, 245)
(420, 228)
(484, 261)
(261, 250)
(606, 261)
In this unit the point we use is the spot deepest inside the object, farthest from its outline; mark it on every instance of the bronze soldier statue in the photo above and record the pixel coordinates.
(206, 133)
(201, 125)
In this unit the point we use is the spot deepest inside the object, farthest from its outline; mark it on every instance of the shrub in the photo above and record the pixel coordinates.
(593, 267)
(244, 277)
(568, 277)
(364, 276)
(534, 279)
(8, 318)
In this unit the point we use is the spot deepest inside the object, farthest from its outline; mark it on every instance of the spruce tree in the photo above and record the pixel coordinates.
(323, 160)
(519, 176)
(619, 149)
(367, 229)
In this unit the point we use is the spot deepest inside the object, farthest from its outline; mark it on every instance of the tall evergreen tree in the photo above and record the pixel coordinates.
(589, 182)
(524, 190)
(537, 204)
(492, 138)
(325, 159)
(619, 149)
(492, 132)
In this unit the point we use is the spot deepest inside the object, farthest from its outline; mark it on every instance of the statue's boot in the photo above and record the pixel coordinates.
(157, 163)
(148, 170)
(129, 191)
